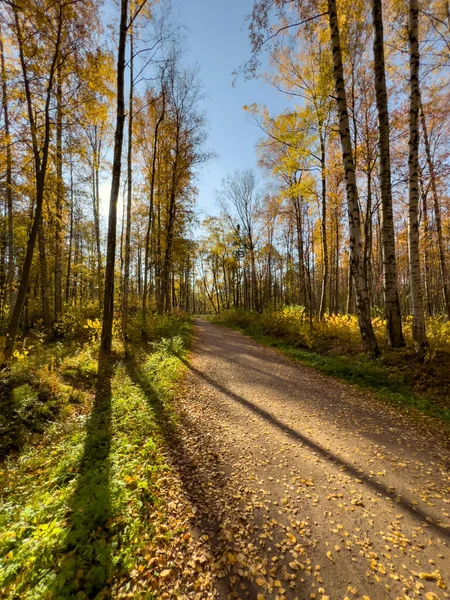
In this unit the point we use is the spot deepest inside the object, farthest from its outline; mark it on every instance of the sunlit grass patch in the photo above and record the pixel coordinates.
(81, 507)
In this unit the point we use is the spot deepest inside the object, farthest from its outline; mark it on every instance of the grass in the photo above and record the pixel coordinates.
(84, 501)
(386, 378)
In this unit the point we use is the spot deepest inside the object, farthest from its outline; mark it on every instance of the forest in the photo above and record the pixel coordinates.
(330, 252)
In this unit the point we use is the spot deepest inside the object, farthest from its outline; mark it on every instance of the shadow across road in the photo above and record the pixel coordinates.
(371, 483)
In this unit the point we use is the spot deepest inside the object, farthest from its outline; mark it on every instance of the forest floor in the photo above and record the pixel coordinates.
(306, 487)
(226, 471)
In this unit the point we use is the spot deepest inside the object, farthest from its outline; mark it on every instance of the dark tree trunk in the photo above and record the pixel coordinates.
(151, 209)
(126, 276)
(45, 287)
(108, 304)
(59, 201)
(69, 257)
(9, 194)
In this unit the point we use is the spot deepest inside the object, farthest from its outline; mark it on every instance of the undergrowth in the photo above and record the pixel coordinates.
(333, 346)
(81, 502)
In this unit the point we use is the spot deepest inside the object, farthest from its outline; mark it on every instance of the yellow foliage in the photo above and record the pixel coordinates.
(94, 326)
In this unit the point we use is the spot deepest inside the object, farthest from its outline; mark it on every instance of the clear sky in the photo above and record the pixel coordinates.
(217, 40)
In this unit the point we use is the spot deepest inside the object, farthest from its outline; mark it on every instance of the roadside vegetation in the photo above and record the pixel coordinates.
(85, 484)
(333, 346)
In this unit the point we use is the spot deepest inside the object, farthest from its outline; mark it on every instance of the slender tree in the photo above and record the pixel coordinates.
(40, 156)
(437, 212)
(126, 277)
(391, 301)
(9, 184)
(417, 309)
(354, 221)
(108, 303)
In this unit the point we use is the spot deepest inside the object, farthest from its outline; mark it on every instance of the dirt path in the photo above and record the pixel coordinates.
(303, 487)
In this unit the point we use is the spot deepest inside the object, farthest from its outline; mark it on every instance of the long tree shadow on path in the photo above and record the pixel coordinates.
(194, 458)
(87, 564)
(377, 487)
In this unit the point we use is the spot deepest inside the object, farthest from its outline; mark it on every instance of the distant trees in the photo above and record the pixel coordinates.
(240, 195)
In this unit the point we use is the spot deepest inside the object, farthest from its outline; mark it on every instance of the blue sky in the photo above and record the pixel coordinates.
(217, 40)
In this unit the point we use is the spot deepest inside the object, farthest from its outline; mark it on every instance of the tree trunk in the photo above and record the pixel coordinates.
(303, 297)
(126, 277)
(59, 201)
(350, 293)
(362, 298)
(108, 304)
(336, 290)
(165, 288)
(9, 194)
(390, 290)
(419, 334)
(437, 213)
(45, 287)
(96, 210)
(323, 225)
(426, 246)
(151, 209)
(368, 232)
(69, 258)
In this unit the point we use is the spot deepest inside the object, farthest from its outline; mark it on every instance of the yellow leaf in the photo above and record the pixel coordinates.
(428, 576)
(260, 597)
(260, 581)
(164, 574)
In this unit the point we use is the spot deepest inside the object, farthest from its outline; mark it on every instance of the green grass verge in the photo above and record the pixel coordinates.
(360, 371)
(80, 508)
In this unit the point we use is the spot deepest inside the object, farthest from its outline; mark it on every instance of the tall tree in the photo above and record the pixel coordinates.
(354, 221)
(126, 277)
(391, 301)
(28, 48)
(419, 333)
(9, 184)
(108, 303)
